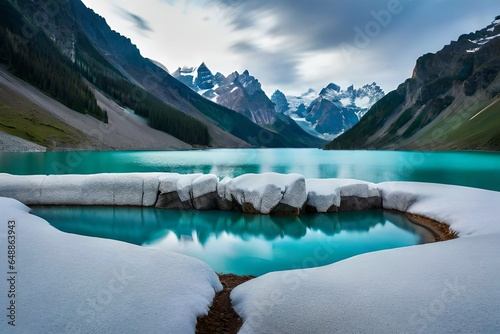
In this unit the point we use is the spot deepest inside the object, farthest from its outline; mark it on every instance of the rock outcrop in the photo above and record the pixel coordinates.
(332, 195)
(267, 193)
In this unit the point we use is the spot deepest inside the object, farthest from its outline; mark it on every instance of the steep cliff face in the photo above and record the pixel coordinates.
(450, 102)
(53, 18)
(243, 93)
(330, 117)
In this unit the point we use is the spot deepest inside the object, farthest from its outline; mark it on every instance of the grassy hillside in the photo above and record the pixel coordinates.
(24, 119)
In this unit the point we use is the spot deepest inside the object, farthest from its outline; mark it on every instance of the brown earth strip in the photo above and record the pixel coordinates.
(221, 318)
(442, 232)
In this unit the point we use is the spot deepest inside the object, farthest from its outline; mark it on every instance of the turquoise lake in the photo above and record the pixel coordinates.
(231, 242)
(476, 169)
(235, 243)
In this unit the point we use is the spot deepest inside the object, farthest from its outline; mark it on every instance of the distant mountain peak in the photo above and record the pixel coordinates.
(204, 79)
(334, 110)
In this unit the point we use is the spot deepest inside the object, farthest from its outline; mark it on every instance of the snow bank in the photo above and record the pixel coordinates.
(444, 287)
(67, 283)
(138, 189)
(26, 188)
(468, 211)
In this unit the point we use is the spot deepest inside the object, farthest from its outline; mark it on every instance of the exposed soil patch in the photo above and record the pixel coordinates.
(442, 232)
(221, 318)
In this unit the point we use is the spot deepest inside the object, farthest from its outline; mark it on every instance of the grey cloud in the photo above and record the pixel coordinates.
(323, 24)
(243, 47)
(414, 27)
(274, 68)
(139, 22)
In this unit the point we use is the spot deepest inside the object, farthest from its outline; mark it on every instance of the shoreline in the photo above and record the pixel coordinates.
(221, 317)
(440, 231)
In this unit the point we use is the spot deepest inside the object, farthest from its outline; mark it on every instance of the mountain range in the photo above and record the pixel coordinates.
(451, 102)
(240, 92)
(326, 115)
(334, 110)
(74, 49)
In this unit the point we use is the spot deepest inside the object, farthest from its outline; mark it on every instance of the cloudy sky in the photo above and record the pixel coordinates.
(293, 45)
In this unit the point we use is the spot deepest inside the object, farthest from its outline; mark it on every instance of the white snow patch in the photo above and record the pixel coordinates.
(484, 40)
(472, 50)
(364, 102)
(68, 283)
(345, 101)
(434, 288)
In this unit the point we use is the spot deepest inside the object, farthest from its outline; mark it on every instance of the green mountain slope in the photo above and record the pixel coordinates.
(450, 103)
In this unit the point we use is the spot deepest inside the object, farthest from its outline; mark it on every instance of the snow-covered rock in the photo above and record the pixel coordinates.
(168, 182)
(25, 188)
(262, 193)
(358, 195)
(185, 186)
(205, 192)
(224, 200)
(151, 185)
(204, 184)
(175, 191)
(445, 287)
(139, 189)
(189, 191)
(330, 195)
(96, 189)
(323, 195)
(67, 283)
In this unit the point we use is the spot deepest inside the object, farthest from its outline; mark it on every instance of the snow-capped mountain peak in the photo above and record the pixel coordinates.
(485, 36)
(334, 110)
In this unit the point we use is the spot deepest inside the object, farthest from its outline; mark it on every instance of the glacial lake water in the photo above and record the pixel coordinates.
(241, 244)
(475, 169)
(232, 242)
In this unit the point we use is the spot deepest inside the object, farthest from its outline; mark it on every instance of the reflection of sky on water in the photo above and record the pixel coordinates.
(232, 242)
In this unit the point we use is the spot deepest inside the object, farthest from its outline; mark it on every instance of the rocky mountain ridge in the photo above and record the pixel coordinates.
(452, 101)
(326, 115)
(240, 92)
(334, 110)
